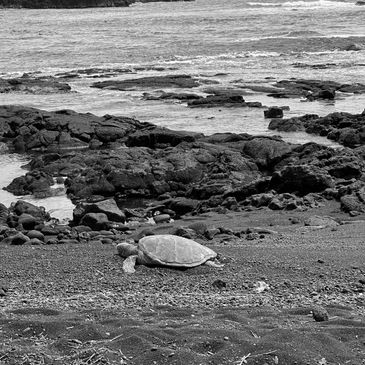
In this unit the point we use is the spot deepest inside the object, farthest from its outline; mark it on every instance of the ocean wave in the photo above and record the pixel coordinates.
(304, 4)
(219, 57)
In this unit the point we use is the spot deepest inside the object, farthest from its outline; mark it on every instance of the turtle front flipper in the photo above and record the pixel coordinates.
(129, 263)
(213, 264)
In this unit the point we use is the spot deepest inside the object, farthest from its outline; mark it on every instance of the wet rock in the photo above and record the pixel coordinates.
(96, 221)
(320, 314)
(321, 221)
(302, 179)
(28, 85)
(351, 203)
(36, 234)
(162, 218)
(183, 81)
(27, 221)
(35, 242)
(274, 112)
(220, 101)
(109, 207)
(21, 207)
(18, 239)
(161, 137)
(182, 205)
(266, 151)
(170, 95)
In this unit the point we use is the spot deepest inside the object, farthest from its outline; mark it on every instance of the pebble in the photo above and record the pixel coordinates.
(320, 314)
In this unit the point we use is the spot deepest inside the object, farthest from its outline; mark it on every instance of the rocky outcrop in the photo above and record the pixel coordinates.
(212, 101)
(184, 172)
(310, 89)
(32, 129)
(181, 81)
(344, 128)
(28, 85)
(67, 4)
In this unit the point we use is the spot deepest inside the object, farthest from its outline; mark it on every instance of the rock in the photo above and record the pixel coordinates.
(35, 242)
(3, 288)
(320, 314)
(161, 137)
(182, 205)
(221, 101)
(35, 234)
(96, 221)
(27, 221)
(266, 151)
(302, 179)
(170, 95)
(352, 203)
(274, 112)
(199, 227)
(21, 207)
(19, 239)
(4, 213)
(183, 81)
(109, 207)
(219, 284)
(28, 85)
(162, 218)
(320, 221)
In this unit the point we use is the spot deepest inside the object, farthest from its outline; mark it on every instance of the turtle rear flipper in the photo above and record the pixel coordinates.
(129, 263)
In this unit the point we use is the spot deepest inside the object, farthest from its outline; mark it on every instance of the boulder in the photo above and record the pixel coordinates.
(109, 207)
(274, 112)
(96, 221)
(27, 221)
(321, 221)
(36, 234)
(21, 207)
(19, 239)
(302, 179)
(161, 137)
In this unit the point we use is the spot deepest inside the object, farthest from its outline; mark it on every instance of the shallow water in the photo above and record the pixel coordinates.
(11, 167)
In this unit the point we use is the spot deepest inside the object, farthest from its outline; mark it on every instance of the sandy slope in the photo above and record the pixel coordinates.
(198, 316)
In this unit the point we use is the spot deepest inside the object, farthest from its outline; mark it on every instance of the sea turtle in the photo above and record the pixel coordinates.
(165, 250)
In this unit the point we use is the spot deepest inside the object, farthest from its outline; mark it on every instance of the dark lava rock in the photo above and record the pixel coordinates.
(345, 128)
(19, 239)
(109, 207)
(170, 96)
(35, 234)
(303, 179)
(28, 85)
(274, 112)
(222, 101)
(161, 137)
(21, 207)
(183, 81)
(96, 221)
(320, 314)
(34, 129)
(27, 221)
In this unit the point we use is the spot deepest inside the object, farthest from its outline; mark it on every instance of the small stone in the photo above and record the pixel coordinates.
(320, 261)
(226, 338)
(220, 284)
(320, 314)
(362, 281)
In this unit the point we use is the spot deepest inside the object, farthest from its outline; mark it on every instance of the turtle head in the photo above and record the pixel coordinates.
(126, 249)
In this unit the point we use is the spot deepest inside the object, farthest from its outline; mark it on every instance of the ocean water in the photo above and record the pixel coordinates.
(232, 42)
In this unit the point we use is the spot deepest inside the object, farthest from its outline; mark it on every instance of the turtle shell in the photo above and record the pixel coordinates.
(170, 250)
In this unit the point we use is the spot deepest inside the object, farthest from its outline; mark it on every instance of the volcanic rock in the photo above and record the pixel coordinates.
(183, 81)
